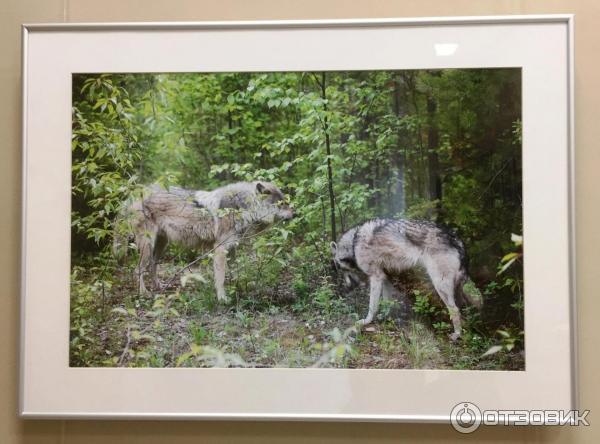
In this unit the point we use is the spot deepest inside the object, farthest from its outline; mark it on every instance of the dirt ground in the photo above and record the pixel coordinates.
(186, 327)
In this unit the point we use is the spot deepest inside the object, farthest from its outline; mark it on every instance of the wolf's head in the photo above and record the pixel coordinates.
(345, 260)
(273, 201)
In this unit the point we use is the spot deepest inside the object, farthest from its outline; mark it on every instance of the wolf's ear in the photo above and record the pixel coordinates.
(333, 246)
(261, 188)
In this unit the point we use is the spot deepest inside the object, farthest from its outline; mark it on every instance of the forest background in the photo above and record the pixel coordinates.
(345, 146)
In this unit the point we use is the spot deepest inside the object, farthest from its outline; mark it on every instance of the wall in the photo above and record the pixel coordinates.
(587, 44)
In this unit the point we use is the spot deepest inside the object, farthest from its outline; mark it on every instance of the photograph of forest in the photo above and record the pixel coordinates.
(225, 219)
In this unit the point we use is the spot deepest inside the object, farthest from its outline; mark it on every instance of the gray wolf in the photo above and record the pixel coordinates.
(215, 220)
(377, 248)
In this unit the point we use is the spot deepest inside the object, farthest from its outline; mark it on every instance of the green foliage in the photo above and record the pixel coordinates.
(386, 308)
(105, 155)
(338, 349)
(212, 356)
(198, 333)
(422, 304)
(509, 339)
(420, 346)
(511, 281)
(87, 314)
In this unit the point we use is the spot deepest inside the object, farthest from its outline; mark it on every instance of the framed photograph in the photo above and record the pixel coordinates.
(319, 220)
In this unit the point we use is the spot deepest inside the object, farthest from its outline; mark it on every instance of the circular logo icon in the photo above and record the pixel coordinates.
(465, 417)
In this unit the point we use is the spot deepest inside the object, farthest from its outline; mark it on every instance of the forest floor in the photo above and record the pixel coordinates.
(184, 326)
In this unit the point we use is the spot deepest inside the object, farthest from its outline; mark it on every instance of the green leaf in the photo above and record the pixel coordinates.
(503, 333)
(506, 265)
(509, 256)
(183, 358)
(492, 350)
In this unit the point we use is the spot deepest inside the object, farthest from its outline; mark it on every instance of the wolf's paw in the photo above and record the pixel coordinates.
(455, 337)
(225, 300)
(361, 323)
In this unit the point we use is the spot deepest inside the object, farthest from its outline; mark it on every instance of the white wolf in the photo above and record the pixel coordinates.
(380, 247)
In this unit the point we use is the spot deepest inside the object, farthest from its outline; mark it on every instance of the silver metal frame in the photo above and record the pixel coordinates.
(570, 19)
(567, 19)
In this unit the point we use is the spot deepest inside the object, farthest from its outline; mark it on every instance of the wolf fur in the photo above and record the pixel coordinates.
(377, 248)
(215, 220)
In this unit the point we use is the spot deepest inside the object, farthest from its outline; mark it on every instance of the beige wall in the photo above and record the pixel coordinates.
(587, 44)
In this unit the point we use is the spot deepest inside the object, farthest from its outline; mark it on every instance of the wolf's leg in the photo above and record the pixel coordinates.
(390, 292)
(160, 244)
(443, 281)
(375, 289)
(454, 312)
(446, 293)
(139, 271)
(145, 244)
(220, 267)
(442, 271)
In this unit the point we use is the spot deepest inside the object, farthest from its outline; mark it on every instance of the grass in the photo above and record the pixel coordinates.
(301, 323)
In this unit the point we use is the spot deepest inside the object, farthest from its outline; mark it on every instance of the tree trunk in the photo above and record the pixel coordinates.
(328, 150)
(398, 205)
(433, 141)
